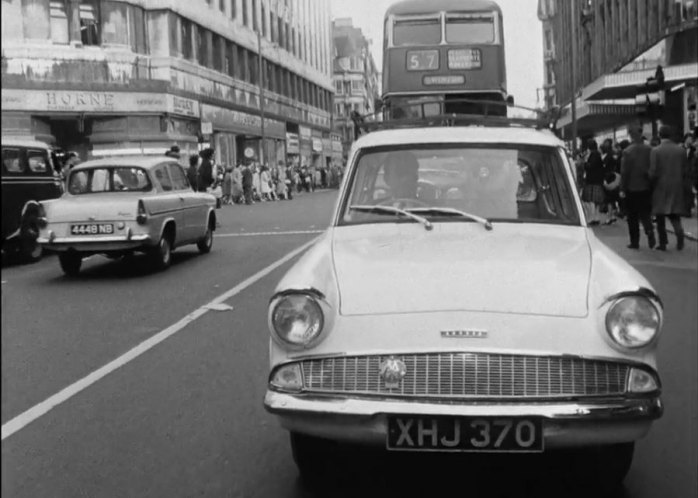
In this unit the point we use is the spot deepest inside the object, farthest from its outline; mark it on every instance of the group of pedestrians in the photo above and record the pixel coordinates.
(251, 181)
(641, 183)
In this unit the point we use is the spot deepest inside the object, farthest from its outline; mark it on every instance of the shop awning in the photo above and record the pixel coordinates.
(593, 116)
(623, 85)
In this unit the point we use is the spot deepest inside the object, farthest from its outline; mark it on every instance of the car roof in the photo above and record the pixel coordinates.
(459, 135)
(24, 142)
(145, 162)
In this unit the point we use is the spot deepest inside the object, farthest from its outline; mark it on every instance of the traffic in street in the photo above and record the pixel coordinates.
(127, 382)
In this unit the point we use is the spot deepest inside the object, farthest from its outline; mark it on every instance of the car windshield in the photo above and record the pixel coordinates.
(109, 179)
(496, 183)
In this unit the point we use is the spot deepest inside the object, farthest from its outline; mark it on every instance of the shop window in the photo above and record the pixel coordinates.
(89, 23)
(59, 21)
(114, 23)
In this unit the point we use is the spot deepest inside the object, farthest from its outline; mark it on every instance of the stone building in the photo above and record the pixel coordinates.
(137, 76)
(356, 78)
(619, 44)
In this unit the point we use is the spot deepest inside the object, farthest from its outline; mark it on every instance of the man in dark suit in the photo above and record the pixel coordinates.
(247, 183)
(668, 163)
(636, 189)
(206, 170)
(193, 171)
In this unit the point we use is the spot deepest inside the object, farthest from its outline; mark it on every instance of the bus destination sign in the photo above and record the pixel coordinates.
(469, 58)
(422, 60)
(456, 79)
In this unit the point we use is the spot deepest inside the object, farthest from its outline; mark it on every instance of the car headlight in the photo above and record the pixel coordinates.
(297, 319)
(633, 321)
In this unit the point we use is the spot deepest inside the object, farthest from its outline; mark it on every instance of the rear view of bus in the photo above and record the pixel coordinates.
(440, 51)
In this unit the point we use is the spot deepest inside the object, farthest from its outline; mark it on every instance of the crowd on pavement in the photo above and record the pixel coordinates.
(250, 182)
(645, 184)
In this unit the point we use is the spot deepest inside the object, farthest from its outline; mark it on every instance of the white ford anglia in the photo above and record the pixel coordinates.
(459, 303)
(117, 206)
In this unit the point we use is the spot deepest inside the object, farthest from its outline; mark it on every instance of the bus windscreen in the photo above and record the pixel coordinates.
(416, 32)
(470, 29)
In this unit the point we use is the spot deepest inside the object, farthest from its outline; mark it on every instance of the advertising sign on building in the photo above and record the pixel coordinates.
(206, 127)
(293, 145)
(317, 145)
(82, 101)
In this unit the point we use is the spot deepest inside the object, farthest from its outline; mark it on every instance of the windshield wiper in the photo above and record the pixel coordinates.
(453, 212)
(393, 210)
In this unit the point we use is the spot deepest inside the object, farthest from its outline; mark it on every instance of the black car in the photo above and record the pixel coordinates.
(28, 177)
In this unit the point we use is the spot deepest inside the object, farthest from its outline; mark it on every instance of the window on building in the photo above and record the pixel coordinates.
(254, 68)
(287, 37)
(114, 23)
(221, 5)
(243, 64)
(59, 22)
(338, 87)
(272, 27)
(292, 41)
(356, 86)
(233, 9)
(255, 18)
(187, 39)
(280, 31)
(245, 16)
(201, 46)
(218, 52)
(136, 23)
(264, 21)
(89, 23)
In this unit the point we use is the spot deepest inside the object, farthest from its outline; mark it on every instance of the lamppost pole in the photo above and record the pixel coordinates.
(260, 70)
(573, 75)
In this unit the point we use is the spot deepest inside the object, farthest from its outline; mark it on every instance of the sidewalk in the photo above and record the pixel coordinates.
(690, 227)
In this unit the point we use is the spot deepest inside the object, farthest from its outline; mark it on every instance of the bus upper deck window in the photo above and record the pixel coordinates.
(417, 32)
(472, 29)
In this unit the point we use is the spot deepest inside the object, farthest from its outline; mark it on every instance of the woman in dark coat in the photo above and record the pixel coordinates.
(206, 178)
(593, 194)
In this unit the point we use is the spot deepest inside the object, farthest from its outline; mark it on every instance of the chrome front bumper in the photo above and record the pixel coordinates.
(565, 424)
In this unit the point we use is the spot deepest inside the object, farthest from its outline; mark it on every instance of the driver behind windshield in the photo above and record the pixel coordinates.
(401, 174)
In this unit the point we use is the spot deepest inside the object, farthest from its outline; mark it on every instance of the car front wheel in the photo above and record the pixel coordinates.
(161, 254)
(70, 263)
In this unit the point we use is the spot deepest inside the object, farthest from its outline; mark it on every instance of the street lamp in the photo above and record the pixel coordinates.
(260, 70)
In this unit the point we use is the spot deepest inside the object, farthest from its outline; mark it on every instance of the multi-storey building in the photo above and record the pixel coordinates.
(617, 47)
(111, 77)
(356, 78)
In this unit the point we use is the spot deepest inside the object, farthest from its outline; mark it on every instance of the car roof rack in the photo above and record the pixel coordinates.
(381, 119)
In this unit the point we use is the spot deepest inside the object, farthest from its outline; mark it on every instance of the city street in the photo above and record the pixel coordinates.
(181, 415)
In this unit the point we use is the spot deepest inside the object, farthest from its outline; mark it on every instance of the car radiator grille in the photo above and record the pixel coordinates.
(468, 375)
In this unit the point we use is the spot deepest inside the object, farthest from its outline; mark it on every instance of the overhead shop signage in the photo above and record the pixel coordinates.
(293, 144)
(242, 122)
(71, 101)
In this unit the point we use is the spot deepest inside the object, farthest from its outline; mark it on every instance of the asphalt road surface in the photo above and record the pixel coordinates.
(182, 414)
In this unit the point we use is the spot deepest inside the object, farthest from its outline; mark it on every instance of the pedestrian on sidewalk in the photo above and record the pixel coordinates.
(636, 189)
(691, 178)
(668, 163)
(238, 193)
(593, 194)
(193, 171)
(247, 183)
(228, 186)
(611, 181)
(206, 178)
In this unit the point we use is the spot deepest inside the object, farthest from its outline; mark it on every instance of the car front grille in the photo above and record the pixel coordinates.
(468, 375)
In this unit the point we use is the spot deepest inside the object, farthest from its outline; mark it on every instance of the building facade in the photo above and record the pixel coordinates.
(615, 46)
(356, 78)
(113, 77)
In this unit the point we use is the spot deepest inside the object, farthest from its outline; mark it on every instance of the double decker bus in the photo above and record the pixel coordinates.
(436, 53)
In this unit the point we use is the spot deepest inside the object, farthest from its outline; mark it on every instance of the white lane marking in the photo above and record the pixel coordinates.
(257, 234)
(23, 419)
